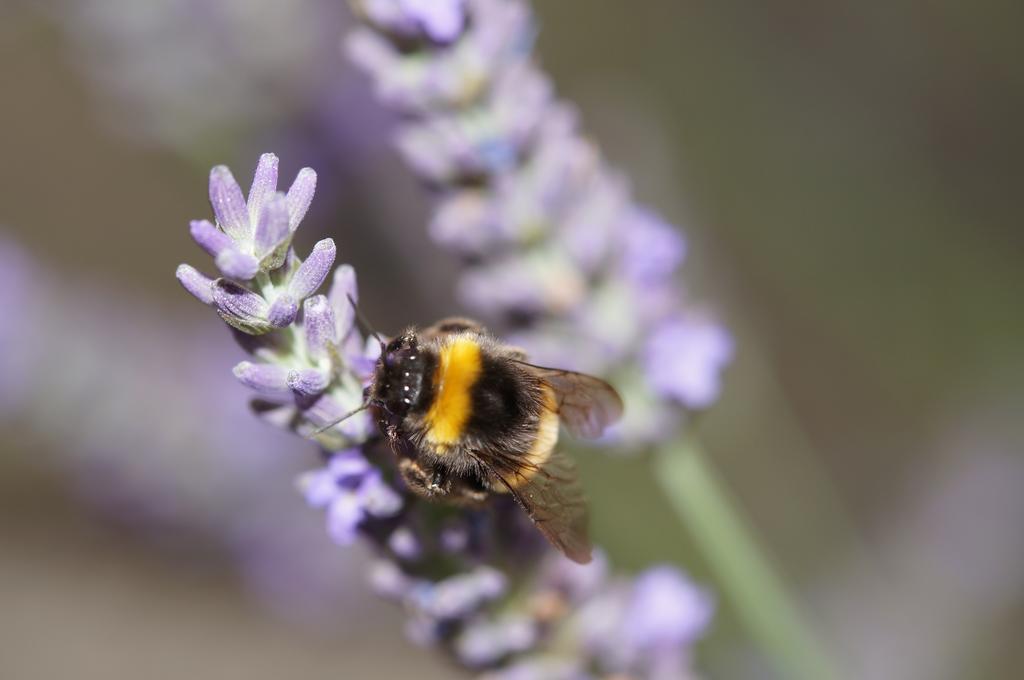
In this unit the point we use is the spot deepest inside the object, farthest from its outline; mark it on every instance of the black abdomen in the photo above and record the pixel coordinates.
(505, 401)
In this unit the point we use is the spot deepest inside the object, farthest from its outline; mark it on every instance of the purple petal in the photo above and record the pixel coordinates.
(442, 20)
(403, 542)
(651, 248)
(239, 306)
(283, 312)
(229, 204)
(308, 381)
(209, 237)
(313, 270)
(235, 264)
(264, 184)
(343, 286)
(600, 622)
(666, 610)
(545, 667)
(318, 487)
(343, 517)
(318, 325)
(199, 285)
(484, 643)
(347, 465)
(300, 195)
(480, 644)
(268, 379)
(387, 580)
(379, 499)
(490, 582)
(272, 228)
(685, 357)
(457, 596)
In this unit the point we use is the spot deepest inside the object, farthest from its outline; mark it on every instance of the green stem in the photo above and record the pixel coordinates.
(746, 576)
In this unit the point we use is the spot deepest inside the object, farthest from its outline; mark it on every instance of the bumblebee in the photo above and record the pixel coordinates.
(467, 416)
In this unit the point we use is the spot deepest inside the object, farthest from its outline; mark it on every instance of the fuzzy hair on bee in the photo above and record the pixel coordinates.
(467, 417)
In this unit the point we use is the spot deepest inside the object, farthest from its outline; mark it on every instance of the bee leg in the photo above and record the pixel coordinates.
(437, 482)
(415, 477)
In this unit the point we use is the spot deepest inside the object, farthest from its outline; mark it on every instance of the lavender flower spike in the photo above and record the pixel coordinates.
(558, 247)
(298, 373)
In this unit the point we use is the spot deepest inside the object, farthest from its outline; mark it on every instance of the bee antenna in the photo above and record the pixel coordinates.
(365, 324)
(365, 405)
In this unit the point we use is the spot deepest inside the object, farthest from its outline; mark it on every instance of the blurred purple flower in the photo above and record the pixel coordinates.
(352, 491)
(665, 612)
(684, 357)
(560, 253)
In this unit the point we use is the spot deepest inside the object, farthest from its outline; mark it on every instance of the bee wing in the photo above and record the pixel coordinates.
(587, 405)
(552, 496)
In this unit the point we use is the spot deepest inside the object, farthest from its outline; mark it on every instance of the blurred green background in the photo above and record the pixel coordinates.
(849, 177)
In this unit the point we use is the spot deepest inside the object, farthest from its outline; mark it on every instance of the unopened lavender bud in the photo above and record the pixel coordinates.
(240, 307)
(229, 204)
(283, 311)
(300, 195)
(196, 283)
(308, 381)
(313, 270)
(347, 465)
(235, 264)
(270, 380)
(319, 326)
(264, 184)
(209, 237)
(272, 228)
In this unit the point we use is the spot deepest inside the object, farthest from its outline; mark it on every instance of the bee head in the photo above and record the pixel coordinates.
(400, 373)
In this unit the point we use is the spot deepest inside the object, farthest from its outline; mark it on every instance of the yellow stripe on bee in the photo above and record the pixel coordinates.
(457, 371)
(544, 442)
(543, 445)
